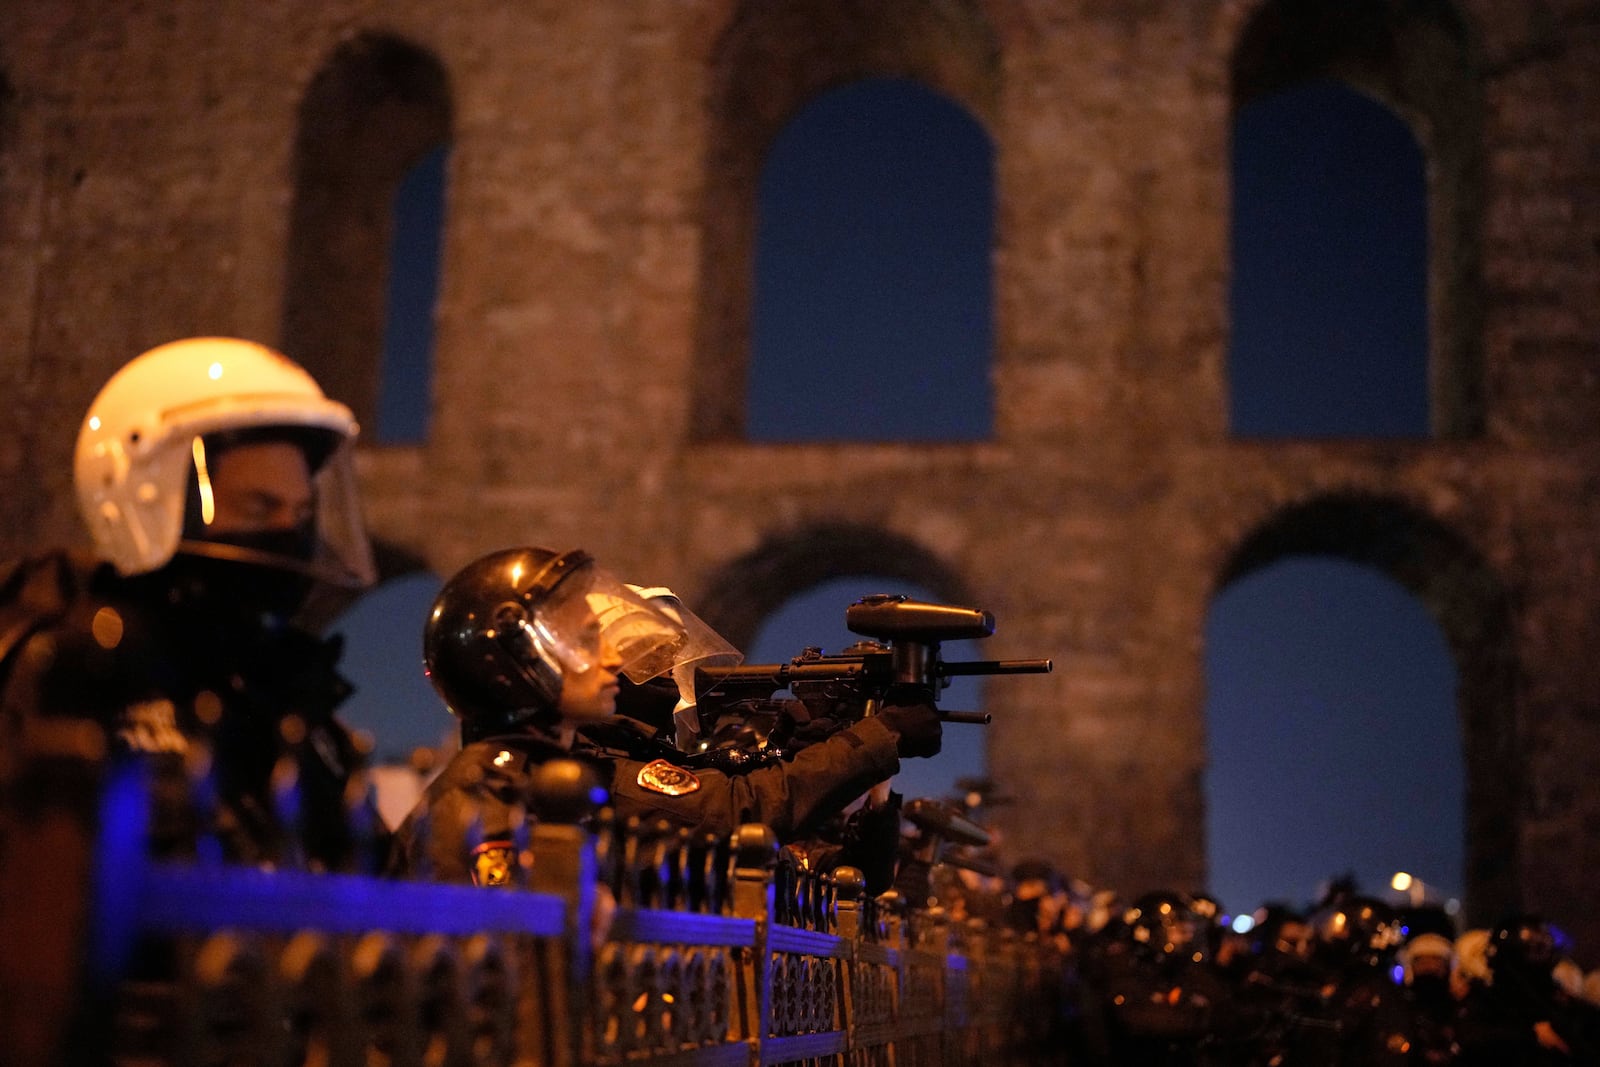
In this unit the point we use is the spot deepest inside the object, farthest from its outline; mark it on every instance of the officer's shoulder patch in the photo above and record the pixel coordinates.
(492, 862)
(662, 777)
(151, 726)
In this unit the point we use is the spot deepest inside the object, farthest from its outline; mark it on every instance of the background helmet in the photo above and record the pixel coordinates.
(1280, 933)
(1522, 944)
(1211, 918)
(137, 449)
(1206, 906)
(1424, 946)
(1472, 957)
(1356, 930)
(1163, 926)
(1429, 919)
(508, 627)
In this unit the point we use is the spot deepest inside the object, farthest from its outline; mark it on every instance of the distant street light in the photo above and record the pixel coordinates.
(1413, 887)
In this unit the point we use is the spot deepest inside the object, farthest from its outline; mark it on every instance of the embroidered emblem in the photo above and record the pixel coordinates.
(492, 862)
(662, 777)
(151, 726)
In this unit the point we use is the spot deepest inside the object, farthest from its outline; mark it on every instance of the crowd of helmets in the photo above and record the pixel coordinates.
(1172, 978)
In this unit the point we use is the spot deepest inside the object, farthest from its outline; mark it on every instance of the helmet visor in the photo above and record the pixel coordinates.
(343, 554)
(334, 549)
(696, 645)
(589, 611)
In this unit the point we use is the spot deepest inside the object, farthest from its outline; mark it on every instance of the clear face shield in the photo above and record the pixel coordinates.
(343, 554)
(589, 617)
(697, 644)
(693, 645)
(247, 504)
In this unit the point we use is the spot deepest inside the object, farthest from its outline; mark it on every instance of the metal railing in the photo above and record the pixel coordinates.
(628, 944)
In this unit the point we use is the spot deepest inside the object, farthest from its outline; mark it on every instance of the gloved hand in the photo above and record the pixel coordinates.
(909, 714)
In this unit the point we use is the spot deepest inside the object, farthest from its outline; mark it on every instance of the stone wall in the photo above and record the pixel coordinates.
(590, 340)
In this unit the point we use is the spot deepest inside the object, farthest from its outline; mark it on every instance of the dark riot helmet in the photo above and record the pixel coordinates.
(1356, 930)
(509, 627)
(1523, 944)
(1164, 926)
(1210, 916)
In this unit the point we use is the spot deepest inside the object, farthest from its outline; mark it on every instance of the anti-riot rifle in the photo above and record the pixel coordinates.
(744, 721)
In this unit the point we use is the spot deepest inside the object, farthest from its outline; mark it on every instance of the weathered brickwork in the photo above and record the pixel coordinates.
(155, 182)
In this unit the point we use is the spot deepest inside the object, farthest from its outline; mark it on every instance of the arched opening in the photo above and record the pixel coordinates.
(1333, 744)
(377, 109)
(392, 702)
(771, 61)
(1329, 285)
(405, 379)
(872, 317)
(1418, 60)
(1464, 597)
(746, 591)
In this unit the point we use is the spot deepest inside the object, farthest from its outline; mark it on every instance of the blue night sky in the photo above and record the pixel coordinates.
(1333, 743)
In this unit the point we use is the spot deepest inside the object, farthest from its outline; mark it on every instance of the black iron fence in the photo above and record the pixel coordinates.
(628, 944)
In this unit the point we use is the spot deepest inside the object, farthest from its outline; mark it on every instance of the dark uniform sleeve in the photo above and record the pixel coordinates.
(52, 756)
(464, 828)
(789, 796)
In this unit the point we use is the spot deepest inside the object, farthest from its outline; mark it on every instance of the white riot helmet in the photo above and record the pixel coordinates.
(144, 440)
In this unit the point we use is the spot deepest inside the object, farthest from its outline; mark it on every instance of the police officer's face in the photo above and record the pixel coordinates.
(1294, 939)
(260, 487)
(1431, 966)
(592, 694)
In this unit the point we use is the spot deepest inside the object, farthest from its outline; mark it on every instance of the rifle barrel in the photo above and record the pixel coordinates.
(841, 668)
(996, 666)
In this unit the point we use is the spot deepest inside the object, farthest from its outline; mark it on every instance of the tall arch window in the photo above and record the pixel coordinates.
(363, 242)
(872, 311)
(1329, 303)
(406, 373)
(392, 703)
(1415, 234)
(1334, 744)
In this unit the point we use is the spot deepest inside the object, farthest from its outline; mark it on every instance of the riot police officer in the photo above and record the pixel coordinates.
(1277, 984)
(1355, 939)
(516, 647)
(215, 480)
(1418, 1026)
(1164, 1004)
(1519, 1016)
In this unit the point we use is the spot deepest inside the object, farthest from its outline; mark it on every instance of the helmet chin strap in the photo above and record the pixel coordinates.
(533, 723)
(260, 557)
(237, 586)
